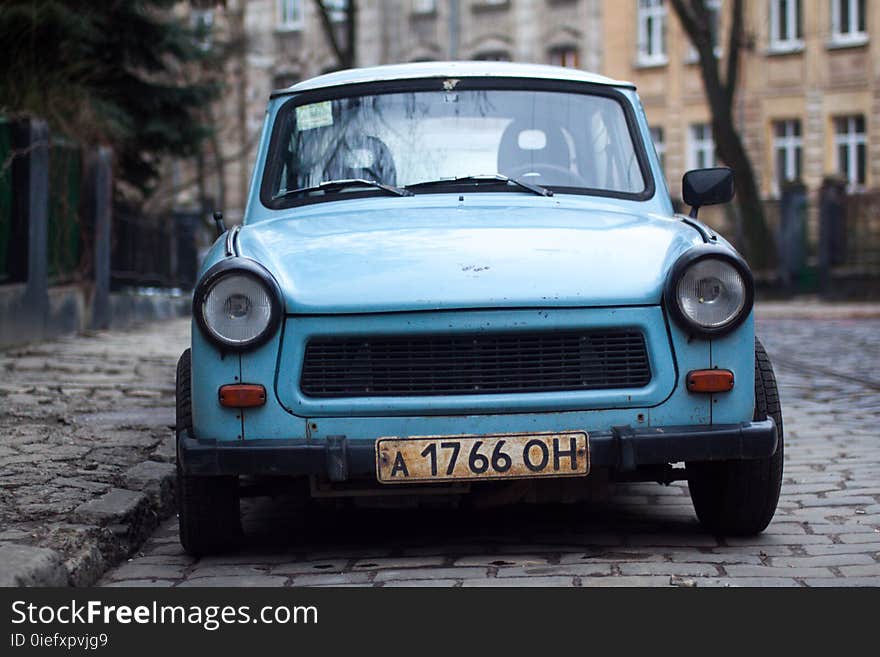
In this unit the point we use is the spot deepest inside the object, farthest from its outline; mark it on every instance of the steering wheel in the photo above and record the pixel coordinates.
(556, 175)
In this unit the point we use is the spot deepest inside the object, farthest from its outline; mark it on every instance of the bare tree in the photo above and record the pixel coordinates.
(345, 50)
(697, 21)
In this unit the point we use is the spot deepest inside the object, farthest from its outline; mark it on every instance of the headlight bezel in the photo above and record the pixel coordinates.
(687, 260)
(237, 266)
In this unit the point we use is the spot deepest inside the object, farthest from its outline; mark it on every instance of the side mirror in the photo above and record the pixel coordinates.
(707, 187)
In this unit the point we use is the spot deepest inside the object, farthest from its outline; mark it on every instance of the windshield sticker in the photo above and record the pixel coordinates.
(316, 115)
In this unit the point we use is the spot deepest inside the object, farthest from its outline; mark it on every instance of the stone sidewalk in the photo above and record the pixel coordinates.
(86, 451)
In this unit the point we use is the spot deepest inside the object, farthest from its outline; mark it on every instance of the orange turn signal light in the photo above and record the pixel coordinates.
(710, 381)
(242, 395)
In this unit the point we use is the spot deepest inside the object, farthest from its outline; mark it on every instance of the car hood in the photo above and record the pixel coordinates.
(435, 258)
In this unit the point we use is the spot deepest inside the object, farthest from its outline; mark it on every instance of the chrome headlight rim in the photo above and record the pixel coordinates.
(243, 267)
(687, 260)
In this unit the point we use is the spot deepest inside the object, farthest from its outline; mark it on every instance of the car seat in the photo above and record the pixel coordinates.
(525, 145)
(362, 156)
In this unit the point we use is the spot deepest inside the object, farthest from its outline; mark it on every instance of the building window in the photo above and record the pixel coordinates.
(337, 10)
(786, 25)
(659, 140)
(701, 146)
(290, 14)
(493, 56)
(651, 32)
(202, 23)
(850, 146)
(848, 21)
(713, 7)
(424, 6)
(489, 5)
(565, 56)
(788, 146)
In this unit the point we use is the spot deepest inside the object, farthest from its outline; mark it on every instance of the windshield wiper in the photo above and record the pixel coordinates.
(489, 177)
(333, 185)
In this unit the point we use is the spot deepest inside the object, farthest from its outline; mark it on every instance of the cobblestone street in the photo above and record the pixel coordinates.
(83, 415)
(85, 454)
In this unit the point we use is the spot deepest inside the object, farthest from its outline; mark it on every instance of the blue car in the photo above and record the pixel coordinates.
(466, 281)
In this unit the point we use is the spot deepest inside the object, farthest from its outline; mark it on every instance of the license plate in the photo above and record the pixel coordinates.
(500, 456)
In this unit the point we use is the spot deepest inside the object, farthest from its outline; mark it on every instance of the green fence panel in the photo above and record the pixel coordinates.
(5, 196)
(65, 230)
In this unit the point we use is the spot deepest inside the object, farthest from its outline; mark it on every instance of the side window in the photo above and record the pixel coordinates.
(659, 139)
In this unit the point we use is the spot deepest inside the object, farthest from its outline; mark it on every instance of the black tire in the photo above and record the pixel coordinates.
(207, 507)
(739, 498)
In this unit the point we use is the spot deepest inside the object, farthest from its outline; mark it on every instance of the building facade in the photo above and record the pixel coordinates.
(808, 101)
(279, 42)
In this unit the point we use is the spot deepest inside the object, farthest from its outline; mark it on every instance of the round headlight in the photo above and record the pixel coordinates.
(710, 293)
(237, 307)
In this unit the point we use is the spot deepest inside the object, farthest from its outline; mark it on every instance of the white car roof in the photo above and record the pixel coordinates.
(459, 69)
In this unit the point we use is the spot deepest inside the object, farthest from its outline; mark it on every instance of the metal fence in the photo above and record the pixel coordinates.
(153, 251)
(66, 256)
(826, 241)
(862, 247)
(57, 226)
(145, 251)
(68, 260)
(5, 198)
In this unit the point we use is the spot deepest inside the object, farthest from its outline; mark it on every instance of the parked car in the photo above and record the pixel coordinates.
(454, 278)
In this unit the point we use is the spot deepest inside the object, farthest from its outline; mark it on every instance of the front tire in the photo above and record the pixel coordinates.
(207, 507)
(739, 498)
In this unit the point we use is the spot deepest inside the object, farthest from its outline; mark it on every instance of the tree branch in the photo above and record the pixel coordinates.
(165, 193)
(330, 32)
(734, 41)
(689, 20)
(351, 32)
(21, 152)
(695, 18)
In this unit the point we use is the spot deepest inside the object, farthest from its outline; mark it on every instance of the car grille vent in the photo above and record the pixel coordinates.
(474, 364)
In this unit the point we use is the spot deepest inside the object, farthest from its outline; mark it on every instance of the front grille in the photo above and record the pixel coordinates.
(474, 364)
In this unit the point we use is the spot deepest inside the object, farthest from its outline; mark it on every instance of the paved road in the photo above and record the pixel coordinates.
(80, 412)
(826, 532)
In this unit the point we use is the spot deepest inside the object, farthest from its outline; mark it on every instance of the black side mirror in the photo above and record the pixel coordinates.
(707, 187)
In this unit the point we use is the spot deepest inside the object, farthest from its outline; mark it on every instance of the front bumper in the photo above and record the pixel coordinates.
(339, 459)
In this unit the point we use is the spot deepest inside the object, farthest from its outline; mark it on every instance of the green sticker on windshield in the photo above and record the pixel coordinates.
(315, 115)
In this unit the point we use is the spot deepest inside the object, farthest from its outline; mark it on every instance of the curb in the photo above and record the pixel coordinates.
(26, 565)
(101, 532)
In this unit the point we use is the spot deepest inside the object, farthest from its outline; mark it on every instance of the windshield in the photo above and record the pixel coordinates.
(577, 141)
